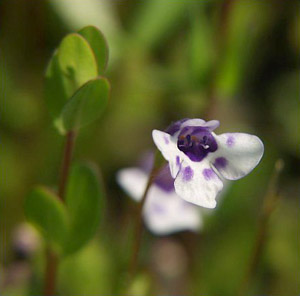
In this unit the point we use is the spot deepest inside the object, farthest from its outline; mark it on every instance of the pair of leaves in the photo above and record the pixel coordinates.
(68, 227)
(75, 93)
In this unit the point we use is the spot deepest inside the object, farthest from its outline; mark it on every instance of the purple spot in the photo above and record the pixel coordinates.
(208, 174)
(177, 160)
(157, 209)
(166, 140)
(188, 174)
(230, 141)
(220, 163)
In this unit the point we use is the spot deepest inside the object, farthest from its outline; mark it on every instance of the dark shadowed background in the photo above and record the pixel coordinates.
(235, 61)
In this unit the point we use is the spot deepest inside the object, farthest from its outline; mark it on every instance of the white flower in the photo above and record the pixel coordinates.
(198, 158)
(164, 211)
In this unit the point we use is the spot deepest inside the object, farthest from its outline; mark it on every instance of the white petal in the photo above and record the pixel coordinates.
(165, 143)
(237, 155)
(133, 181)
(211, 125)
(198, 183)
(165, 213)
(193, 122)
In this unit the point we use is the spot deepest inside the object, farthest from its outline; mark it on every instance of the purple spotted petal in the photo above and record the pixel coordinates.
(188, 174)
(220, 163)
(230, 141)
(208, 174)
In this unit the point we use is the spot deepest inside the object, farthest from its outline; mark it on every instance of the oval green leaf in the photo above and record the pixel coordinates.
(99, 45)
(44, 210)
(73, 64)
(84, 204)
(87, 104)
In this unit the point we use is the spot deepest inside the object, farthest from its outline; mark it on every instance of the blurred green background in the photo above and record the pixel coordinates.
(235, 61)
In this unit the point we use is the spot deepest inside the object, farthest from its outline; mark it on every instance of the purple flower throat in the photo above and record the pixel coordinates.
(196, 142)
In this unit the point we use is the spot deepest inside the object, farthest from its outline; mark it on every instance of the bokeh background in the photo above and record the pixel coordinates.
(235, 60)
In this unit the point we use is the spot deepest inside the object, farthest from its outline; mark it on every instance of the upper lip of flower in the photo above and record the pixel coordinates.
(198, 157)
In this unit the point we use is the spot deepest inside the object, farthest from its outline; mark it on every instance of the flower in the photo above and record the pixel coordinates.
(25, 241)
(198, 158)
(164, 211)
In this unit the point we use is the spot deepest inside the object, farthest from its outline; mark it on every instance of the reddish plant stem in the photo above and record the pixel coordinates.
(51, 257)
(50, 272)
(138, 230)
(269, 204)
(66, 163)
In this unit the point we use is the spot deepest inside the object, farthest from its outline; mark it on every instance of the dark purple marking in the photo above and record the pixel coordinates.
(188, 174)
(164, 180)
(208, 174)
(158, 209)
(174, 127)
(230, 141)
(220, 163)
(177, 160)
(196, 142)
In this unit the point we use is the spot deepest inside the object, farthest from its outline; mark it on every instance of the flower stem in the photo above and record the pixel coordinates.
(269, 204)
(51, 257)
(138, 225)
(50, 272)
(138, 230)
(66, 163)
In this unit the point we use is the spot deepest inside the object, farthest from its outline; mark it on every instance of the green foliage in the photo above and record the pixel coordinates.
(90, 272)
(71, 66)
(79, 58)
(252, 17)
(69, 226)
(98, 44)
(155, 18)
(200, 41)
(47, 213)
(86, 105)
(172, 59)
(84, 203)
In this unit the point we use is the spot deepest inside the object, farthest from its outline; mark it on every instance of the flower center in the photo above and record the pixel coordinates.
(196, 142)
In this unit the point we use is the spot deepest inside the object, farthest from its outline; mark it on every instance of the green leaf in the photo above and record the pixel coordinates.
(73, 64)
(56, 95)
(84, 204)
(44, 210)
(99, 45)
(87, 104)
